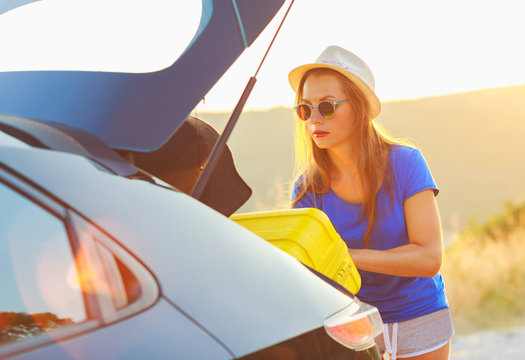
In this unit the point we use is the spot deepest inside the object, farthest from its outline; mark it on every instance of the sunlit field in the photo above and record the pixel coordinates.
(484, 272)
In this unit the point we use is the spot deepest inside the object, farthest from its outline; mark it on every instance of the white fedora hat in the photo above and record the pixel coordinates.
(346, 63)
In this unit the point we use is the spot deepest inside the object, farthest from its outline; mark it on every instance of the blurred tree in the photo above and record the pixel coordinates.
(16, 326)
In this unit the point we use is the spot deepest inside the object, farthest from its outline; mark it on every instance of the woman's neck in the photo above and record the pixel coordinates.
(344, 161)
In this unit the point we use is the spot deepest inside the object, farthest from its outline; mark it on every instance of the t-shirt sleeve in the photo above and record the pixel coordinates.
(414, 174)
(305, 201)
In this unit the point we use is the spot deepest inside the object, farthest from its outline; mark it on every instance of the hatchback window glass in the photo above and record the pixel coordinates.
(98, 35)
(38, 277)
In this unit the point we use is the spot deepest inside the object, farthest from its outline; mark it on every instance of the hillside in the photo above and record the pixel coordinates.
(472, 142)
(262, 147)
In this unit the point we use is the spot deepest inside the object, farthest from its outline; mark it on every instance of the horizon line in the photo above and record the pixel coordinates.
(393, 100)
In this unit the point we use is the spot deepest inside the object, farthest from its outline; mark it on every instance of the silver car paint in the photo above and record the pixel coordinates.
(223, 276)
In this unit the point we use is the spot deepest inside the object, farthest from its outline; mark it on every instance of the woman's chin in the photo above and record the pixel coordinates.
(321, 143)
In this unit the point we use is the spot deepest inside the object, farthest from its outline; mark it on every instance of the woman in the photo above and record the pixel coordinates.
(380, 197)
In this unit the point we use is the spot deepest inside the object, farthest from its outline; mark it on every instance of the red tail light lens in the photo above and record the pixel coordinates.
(356, 326)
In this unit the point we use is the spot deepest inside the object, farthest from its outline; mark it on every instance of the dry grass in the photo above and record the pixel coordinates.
(485, 280)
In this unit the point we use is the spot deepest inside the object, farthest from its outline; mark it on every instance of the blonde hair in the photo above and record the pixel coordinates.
(312, 164)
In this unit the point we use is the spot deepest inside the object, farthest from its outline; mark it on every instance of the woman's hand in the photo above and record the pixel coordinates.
(422, 256)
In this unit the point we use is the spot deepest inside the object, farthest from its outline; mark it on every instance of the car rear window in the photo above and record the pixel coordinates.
(85, 35)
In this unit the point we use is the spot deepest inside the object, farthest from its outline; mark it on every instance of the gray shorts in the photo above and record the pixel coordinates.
(417, 336)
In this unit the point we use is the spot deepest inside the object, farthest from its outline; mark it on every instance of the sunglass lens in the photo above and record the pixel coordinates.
(326, 109)
(303, 111)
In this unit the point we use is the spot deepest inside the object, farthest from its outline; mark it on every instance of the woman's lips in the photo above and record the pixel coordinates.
(320, 134)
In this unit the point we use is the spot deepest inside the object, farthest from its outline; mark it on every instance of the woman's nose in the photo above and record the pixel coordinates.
(316, 116)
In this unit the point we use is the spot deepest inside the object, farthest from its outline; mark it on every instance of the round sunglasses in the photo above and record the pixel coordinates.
(326, 109)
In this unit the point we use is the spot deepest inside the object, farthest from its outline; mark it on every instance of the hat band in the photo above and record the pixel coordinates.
(336, 63)
(342, 66)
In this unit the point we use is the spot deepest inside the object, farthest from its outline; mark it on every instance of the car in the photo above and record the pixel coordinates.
(104, 253)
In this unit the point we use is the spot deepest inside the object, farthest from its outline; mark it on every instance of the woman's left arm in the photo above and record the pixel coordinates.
(422, 256)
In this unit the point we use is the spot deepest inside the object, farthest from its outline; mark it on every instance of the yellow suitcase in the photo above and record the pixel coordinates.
(308, 235)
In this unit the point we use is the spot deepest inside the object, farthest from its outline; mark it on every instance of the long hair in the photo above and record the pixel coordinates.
(312, 164)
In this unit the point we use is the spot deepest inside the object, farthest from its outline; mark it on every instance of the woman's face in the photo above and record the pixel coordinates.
(337, 131)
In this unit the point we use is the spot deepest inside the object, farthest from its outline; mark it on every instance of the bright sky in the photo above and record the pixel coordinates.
(415, 48)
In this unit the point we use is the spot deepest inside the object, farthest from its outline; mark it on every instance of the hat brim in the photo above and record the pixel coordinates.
(295, 76)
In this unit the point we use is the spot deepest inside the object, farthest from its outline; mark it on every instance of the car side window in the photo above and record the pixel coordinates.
(38, 274)
(113, 278)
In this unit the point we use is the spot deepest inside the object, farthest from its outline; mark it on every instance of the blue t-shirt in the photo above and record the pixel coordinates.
(397, 298)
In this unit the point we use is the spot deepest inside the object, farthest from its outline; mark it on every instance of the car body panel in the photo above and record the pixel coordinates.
(195, 252)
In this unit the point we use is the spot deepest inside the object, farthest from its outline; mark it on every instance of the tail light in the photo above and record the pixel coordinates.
(356, 326)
